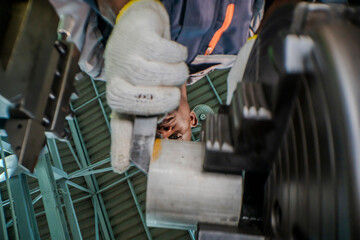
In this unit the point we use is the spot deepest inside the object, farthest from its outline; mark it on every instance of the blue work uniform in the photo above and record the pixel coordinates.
(194, 24)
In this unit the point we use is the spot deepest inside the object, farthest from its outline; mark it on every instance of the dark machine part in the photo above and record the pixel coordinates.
(36, 76)
(236, 135)
(306, 60)
(313, 191)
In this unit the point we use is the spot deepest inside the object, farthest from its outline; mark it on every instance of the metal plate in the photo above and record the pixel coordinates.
(143, 142)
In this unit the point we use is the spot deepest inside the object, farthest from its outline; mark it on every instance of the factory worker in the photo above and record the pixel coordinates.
(153, 50)
(145, 68)
(178, 123)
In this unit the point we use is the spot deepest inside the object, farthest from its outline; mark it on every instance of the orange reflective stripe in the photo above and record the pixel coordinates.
(215, 39)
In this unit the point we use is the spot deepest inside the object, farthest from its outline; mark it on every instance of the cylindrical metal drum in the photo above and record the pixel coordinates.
(180, 194)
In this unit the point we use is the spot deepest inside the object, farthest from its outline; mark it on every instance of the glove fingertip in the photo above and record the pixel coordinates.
(120, 165)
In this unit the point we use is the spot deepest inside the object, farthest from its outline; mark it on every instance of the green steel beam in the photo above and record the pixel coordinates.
(30, 174)
(74, 201)
(79, 172)
(34, 190)
(36, 199)
(51, 200)
(97, 234)
(192, 234)
(214, 89)
(82, 198)
(10, 223)
(7, 202)
(39, 213)
(74, 155)
(92, 172)
(89, 101)
(65, 193)
(3, 230)
(91, 180)
(101, 105)
(119, 181)
(133, 193)
(24, 210)
(6, 147)
(79, 187)
(16, 232)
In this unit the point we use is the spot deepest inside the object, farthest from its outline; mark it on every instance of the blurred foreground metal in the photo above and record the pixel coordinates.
(292, 131)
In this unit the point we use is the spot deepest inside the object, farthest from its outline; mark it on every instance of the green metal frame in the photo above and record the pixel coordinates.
(138, 207)
(24, 210)
(72, 184)
(91, 180)
(135, 198)
(4, 233)
(101, 104)
(82, 198)
(89, 101)
(192, 234)
(83, 171)
(214, 89)
(97, 235)
(36, 199)
(119, 181)
(65, 192)
(51, 199)
(16, 231)
(35, 190)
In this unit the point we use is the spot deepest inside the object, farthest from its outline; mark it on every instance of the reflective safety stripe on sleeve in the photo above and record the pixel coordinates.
(215, 39)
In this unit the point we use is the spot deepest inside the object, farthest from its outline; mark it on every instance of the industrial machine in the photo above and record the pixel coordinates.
(281, 162)
(37, 71)
(292, 132)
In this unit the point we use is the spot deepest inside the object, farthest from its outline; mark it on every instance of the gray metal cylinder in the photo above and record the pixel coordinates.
(180, 194)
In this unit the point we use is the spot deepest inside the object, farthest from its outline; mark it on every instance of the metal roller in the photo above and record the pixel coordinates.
(180, 194)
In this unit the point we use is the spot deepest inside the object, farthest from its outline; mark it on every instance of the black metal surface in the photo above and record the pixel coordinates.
(45, 105)
(58, 98)
(220, 153)
(266, 83)
(27, 42)
(36, 76)
(313, 188)
(27, 139)
(312, 147)
(255, 137)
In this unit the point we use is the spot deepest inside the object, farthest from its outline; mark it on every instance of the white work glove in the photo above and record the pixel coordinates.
(144, 70)
(237, 71)
(121, 134)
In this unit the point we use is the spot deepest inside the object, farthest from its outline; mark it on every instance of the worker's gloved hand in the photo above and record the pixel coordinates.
(121, 134)
(144, 70)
